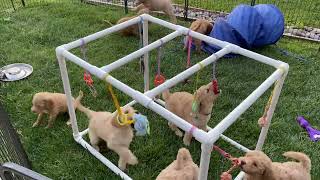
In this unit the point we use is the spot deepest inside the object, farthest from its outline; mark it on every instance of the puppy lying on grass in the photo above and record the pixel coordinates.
(52, 104)
(131, 30)
(183, 168)
(104, 126)
(259, 166)
(180, 103)
(156, 5)
(201, 26)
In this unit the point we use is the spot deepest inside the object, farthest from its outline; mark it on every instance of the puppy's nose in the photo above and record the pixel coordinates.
(243, 163)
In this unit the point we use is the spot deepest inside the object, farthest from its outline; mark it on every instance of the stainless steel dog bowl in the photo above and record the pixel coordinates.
(14, 72)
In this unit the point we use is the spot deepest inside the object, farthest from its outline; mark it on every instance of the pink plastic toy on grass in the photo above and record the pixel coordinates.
(314, 134)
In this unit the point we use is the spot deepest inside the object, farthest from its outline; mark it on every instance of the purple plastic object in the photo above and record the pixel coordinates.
(314, 134)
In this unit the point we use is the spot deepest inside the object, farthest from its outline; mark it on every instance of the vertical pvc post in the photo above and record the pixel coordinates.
(146, 55)
(275, 98)
(204, 161)
(67, 91)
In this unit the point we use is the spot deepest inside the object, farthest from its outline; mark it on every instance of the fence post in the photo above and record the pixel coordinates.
(13, 5)
(253, 2)
(23, 3)
(186, 7)
(126, 6)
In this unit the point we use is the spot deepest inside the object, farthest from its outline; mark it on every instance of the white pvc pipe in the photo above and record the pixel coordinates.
(67, 91)
(234, 143)
(274, 101)
(258, 57)
(140, 52)
(103, 33)
(104, 160)
(240, 176)
(206, 150)
(214, 134)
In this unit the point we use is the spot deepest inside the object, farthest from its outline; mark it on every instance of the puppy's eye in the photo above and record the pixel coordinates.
(208, 90)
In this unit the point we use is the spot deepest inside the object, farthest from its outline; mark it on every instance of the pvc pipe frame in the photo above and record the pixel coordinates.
(206, 138)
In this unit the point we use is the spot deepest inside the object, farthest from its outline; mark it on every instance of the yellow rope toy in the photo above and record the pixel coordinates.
(122, 119)
(263, 120)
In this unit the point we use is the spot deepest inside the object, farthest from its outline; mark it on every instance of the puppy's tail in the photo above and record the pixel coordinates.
(301, 157)
(183, 157)
(166, 94)
(78, 105)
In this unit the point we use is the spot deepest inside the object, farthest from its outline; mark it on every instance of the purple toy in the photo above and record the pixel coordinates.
(314, 134)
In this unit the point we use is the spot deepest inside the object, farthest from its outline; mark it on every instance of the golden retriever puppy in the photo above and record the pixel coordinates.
(103, 126)
(201, 26)
(52, 104)
(259, 166)
(157, 5)
(131, 30)
(183, 168)
(180, 103)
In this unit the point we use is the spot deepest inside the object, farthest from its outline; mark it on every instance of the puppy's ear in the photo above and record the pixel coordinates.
(47, 103)
(261, 166)
(209, 28)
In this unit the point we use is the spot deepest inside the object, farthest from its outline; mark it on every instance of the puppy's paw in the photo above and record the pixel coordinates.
(133, 160)
(35, 124)
(179, 133)
(186, 142)
(68, 123)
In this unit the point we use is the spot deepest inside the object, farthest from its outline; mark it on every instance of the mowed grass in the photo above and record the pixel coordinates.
(296, 13)
(31, 36)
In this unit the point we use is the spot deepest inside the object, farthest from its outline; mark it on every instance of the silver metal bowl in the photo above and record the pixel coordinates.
(14, 72)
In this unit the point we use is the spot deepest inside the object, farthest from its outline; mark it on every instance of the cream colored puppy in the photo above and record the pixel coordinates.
(259, 166)
(103, 126)
(180, 103)
(52, 104)
(156, 5)
(183, 168)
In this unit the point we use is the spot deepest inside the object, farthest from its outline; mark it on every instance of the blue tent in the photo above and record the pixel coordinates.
(248, 27)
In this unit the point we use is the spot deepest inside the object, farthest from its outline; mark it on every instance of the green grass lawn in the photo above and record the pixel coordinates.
(297, 13)
(31, 35)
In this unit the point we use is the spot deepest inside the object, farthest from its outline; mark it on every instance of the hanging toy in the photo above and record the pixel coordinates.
(86, 75)
(314, 134)
(235, 163)
(141, 45)
(141, 123)
(189, 44)
(159, 78)
(215, 86)
(263, 120)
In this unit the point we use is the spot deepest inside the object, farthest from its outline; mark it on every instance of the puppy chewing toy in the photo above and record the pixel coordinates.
(141, 123)
(314, 134)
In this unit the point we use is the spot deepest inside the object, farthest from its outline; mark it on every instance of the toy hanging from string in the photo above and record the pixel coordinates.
(235, 163)
(141, 44)
(263, 121)
(86, 75)
(141, 123)
(159, 78)
(189, 44)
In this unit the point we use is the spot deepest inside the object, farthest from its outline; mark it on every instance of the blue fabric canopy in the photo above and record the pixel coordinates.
(248, 27)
